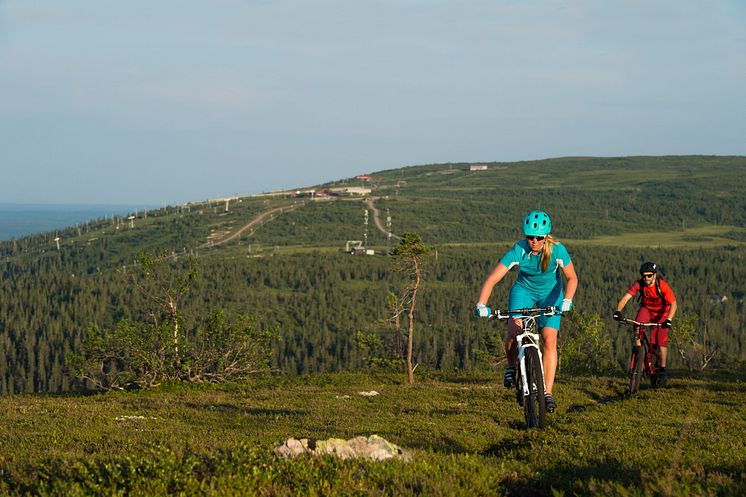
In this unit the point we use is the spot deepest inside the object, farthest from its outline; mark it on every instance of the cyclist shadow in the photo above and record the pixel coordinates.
(519, 425)
(506, 446)
(619, 396)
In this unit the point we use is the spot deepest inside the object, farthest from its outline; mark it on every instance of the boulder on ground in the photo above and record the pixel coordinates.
(373, 447)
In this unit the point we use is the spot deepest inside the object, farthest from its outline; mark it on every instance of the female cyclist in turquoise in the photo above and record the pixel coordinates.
(541, 260)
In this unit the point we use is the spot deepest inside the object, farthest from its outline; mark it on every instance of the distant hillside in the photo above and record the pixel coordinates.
(281, 257)
(693, 201)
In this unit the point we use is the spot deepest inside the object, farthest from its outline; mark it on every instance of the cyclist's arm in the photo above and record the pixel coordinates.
(497, 274)
(672, 310)
(571, 281)
(623, 301)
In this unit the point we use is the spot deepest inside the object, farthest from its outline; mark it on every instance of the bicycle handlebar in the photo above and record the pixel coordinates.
(532, 312)
(637, 323)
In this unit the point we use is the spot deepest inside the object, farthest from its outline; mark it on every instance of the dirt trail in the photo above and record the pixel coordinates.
(264, 215)
(257, 220)
(377, 218)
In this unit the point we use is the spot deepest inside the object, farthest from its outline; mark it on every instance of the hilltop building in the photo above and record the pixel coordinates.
(352, 190)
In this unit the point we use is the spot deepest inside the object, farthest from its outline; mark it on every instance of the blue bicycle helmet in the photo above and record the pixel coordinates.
(537, 223)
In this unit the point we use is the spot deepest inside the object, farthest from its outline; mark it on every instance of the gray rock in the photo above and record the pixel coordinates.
(374, 447)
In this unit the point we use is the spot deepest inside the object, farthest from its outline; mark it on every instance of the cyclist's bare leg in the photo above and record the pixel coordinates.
(511, 346)
(663, 351)
(549, 356)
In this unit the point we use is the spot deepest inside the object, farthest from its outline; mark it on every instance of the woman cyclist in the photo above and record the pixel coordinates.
(657, 305)
(540, 260)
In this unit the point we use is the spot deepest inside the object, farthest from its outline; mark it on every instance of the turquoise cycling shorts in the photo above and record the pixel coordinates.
(522, 298)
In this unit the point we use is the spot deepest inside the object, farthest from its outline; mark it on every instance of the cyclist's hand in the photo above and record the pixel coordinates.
(666, 324)
(566, 305)
(483, 311)
(618, 316)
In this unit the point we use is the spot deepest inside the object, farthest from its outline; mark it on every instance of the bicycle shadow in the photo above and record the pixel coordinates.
(504, 447)
(620, 395)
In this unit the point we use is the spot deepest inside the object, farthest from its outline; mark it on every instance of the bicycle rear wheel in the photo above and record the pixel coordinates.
(534, 406)
(635, 369)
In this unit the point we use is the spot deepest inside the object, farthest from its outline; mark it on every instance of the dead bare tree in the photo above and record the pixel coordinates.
(409, 259)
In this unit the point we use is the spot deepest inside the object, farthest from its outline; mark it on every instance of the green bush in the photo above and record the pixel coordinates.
(162, 350)
(584, 346)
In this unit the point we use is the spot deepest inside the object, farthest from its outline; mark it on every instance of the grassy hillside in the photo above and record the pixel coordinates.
(587, 197)
(693, 200)
(280, 257)
(464, 432)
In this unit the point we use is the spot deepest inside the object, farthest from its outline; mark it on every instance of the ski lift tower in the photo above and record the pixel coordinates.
(365, 233)
(388, 229)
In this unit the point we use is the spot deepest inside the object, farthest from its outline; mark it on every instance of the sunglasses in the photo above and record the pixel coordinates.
(537, 238)
(648, 275)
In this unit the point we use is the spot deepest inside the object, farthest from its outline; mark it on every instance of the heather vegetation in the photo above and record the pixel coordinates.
(464, 432)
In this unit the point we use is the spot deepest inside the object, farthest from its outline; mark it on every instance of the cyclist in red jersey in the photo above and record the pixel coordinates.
(657, 305)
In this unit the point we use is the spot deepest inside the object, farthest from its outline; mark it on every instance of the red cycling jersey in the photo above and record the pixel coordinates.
(650, 298)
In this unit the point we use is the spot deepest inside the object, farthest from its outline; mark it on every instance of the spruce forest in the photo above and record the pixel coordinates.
(314, 264)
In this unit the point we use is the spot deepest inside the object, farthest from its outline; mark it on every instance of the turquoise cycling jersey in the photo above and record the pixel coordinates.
(538, 283)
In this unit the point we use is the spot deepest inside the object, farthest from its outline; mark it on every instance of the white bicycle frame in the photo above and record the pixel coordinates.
(533, 342)
(528, 323)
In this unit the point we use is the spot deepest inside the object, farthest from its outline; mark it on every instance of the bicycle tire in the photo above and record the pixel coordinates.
(534, 406)
(635, 369)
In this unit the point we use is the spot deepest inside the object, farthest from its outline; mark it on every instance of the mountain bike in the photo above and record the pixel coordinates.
(642, 356)
(529, 381)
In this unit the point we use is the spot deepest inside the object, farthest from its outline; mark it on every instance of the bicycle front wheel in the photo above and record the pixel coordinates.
(635, 369)
(534, 406)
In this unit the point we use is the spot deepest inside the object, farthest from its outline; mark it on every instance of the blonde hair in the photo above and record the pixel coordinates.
(546, 252)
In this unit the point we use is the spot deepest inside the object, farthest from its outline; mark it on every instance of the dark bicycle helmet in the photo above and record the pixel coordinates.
(537, 223)
(648, 267)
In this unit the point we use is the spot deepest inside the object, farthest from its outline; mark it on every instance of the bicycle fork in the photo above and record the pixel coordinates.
(527, 340)
(647, 362)
(633, 356)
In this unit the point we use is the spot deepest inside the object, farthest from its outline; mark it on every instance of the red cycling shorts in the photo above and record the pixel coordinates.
(658, 336)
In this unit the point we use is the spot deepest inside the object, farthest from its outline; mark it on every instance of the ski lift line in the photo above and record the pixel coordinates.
(377, 218)
(251, 224)
(114, 221)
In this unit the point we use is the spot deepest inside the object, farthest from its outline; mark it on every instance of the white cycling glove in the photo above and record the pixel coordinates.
(566, 305)
(483, 311)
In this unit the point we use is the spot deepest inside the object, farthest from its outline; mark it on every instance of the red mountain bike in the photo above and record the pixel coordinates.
(643, 356)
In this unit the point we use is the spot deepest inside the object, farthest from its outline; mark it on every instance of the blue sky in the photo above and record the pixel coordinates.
(174, 101)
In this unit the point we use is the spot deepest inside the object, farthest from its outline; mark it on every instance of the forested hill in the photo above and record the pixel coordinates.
(281, 257)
